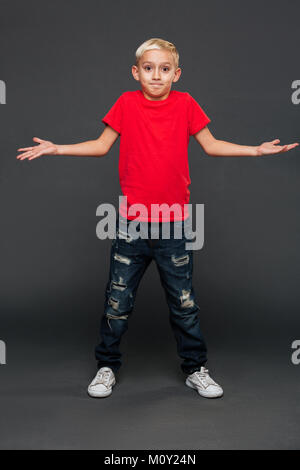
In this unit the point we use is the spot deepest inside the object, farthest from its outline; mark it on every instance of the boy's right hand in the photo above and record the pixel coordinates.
(45, 147)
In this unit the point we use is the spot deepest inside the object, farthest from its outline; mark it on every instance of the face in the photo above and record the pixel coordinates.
(156, 72)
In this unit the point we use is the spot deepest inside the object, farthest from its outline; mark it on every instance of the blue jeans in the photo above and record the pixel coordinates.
(129, 259)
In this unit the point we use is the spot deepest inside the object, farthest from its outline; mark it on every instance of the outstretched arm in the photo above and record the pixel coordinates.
(220, 148)
(91, 148)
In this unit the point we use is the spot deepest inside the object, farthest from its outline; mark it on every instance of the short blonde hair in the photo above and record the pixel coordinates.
(156, 43)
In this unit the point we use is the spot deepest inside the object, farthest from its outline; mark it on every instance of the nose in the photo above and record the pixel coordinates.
(156, 74)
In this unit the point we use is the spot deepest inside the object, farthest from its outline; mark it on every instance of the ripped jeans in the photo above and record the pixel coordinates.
(129, 259)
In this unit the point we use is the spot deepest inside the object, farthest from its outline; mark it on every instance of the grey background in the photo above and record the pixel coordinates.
(64, 64)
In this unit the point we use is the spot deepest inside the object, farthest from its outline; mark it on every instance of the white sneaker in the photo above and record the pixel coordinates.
(102, 384)
(206, 386)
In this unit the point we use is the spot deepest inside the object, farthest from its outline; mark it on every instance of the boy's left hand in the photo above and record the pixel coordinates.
(268, 148)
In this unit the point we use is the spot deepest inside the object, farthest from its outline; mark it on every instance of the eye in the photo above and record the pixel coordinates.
(166, 68)
(147, 67)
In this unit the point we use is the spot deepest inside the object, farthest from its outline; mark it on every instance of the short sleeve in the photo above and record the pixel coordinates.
(196, 116)
(114, 117)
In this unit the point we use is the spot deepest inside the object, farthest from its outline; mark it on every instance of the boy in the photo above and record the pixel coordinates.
(155, 124)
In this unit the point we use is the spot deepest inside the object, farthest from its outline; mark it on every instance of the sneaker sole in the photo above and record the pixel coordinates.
(97, 395)
(203, 393)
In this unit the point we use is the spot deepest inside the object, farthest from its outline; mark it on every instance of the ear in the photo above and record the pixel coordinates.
(177, 75)
(135, 72)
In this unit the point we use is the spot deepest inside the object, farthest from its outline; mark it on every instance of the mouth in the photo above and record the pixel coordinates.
(155, 84)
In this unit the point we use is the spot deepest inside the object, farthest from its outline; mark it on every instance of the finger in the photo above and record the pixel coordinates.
(291, 146)
(275, 141)
(294, 144)
(19, 157)
(285, 148)
(38, 140)
(35, 156)
(26, 155)
(26, 148)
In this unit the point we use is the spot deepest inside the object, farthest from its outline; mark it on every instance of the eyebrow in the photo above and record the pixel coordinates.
(148, 62)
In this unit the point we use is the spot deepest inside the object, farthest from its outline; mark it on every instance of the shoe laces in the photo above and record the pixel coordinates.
(103, 377)
(204, 377)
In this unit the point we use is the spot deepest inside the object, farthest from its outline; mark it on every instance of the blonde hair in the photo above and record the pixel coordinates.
(156, 43)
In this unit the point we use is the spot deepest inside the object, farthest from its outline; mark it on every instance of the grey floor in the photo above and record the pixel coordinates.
(47, 407)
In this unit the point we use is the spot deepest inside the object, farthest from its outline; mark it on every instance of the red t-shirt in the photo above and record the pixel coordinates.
(153, 161)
